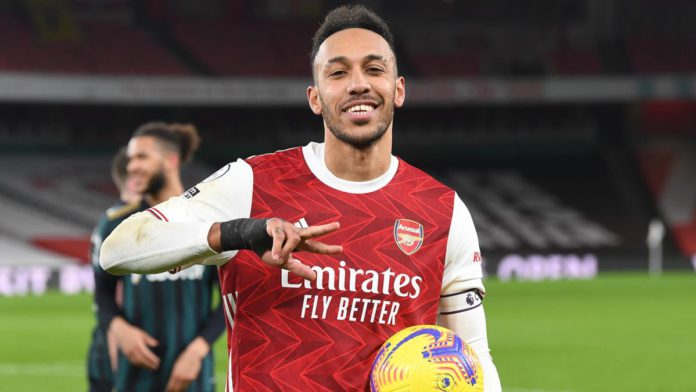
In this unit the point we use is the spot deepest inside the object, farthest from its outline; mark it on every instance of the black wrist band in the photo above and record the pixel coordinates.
(245, 233)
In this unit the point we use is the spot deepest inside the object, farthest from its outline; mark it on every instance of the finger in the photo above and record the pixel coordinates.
(150, 341)
(320, 247)
(298, 268)
(149, 359)
(174, 385)
(278, 239)
(183, 384)
(292, 239)
(138, 358)
(319, 230)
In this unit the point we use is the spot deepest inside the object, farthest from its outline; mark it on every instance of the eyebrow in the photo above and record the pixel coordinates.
(369, 57)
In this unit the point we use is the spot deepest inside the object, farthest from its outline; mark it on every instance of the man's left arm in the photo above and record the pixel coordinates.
(461, 299)
(469, 322)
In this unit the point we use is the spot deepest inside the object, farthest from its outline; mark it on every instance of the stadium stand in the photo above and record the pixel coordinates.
(575, 53)
(17, 253)
(668, 168)
(575, 156)
(35, 222)
(540, 205)
(104, 47)
(667, 157)
(658, 35)
(453, 49)
(561, 44)
(266, 48)
(467, 48)
(55, 200)
(653, 54)
(52, 202)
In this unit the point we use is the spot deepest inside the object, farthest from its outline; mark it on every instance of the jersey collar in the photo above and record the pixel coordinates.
(314, 156)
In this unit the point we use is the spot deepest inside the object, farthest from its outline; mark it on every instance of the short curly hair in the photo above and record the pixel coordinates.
(349, 17)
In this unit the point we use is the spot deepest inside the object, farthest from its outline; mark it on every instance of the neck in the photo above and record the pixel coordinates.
(357, 164)
(172, 187)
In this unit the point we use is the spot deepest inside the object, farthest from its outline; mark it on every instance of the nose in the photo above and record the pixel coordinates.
(358, 83)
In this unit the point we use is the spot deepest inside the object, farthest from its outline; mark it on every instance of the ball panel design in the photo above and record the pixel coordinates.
(426, 358)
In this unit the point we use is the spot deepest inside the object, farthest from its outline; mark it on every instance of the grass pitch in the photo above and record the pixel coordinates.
(620, 332)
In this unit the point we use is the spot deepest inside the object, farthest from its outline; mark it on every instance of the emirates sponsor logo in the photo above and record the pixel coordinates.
(363, 307)
(358, 280)
(408, 235)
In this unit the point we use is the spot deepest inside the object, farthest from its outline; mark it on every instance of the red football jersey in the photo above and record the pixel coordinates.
(293, 335)
(410, 251)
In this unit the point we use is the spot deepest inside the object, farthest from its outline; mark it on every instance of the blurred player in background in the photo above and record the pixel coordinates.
(165, 326)
(126, 186)
(409, 256)
(102, 353)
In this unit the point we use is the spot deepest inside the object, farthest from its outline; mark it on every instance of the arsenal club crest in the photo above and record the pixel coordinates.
(408, 235)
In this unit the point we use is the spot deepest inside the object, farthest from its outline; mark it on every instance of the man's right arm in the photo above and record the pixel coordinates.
(144, 245)
(210, 218)
(175, 233)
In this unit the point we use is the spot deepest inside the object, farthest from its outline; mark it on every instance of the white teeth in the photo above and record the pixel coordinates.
(361, 108)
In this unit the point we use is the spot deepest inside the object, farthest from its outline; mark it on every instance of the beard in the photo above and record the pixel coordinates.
(156, 183)
(359, 141)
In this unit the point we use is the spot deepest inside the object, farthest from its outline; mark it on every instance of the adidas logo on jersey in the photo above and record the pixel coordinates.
(408, 234)
(302, 223)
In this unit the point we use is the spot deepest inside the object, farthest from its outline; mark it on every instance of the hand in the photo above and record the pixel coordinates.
(134, 343)
(188, 365)
(288, 238)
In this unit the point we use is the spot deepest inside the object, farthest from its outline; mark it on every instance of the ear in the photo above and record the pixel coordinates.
(400, 93)
(172, 161)
(313, 99)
